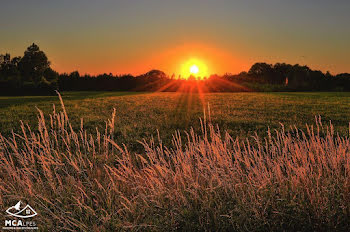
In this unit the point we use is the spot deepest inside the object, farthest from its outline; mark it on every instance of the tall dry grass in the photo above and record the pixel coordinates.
(289, 180)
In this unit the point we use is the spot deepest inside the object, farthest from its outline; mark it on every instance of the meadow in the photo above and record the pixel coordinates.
(140, 115)
(221, 162)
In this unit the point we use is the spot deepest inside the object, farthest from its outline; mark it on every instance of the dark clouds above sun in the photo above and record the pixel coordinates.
(135, 36)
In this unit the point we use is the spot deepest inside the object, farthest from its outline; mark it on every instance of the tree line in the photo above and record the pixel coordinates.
(32, 74)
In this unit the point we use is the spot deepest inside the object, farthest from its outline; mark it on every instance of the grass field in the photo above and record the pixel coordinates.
(139, 115)
(81, 179)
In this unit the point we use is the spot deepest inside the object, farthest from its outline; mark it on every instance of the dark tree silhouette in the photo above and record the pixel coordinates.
(33, 64)
(260, 69)
(30, 74)
(9, 74)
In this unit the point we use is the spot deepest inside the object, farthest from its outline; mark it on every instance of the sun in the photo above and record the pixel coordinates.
(194, 67)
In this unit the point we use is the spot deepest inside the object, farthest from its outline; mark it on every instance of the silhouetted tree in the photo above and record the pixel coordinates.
(52, 77)
(154, 74)
(33, 64)
(282, 72)
(9, 74)
(262, 71)
(74, 75)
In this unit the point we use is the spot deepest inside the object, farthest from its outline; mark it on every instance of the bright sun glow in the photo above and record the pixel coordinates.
(194, 67)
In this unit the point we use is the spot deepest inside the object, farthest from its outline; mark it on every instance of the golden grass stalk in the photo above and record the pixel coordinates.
(289, 180)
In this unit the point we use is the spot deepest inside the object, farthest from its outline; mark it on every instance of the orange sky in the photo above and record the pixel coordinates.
(170, 60)
(173, 59)
(129, 36)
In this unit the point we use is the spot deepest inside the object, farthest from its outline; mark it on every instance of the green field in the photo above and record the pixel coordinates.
(286, 181)
(140, 115)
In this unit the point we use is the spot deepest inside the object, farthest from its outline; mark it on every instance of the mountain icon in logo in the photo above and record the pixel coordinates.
(26, 212)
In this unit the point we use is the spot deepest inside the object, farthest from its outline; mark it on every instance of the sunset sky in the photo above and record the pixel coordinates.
(129, 36)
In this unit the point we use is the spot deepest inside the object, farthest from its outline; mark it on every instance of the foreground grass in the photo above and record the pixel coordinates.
(140, 115)
(289, 180)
